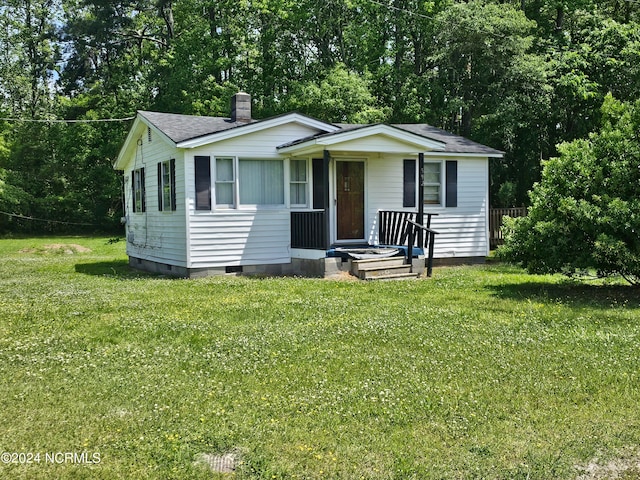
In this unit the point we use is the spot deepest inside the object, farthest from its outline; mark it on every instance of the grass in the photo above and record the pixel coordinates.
(480, 372)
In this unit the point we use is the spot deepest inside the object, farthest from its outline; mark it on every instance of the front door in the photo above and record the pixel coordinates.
(350, 200)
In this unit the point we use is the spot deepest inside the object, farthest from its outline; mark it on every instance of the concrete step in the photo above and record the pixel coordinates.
(376, 272)
(357, 265)
(396, 276)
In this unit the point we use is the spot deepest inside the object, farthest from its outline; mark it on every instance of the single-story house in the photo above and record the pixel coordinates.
(207, 195)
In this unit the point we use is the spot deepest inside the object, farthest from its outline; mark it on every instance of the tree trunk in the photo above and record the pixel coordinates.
(166, 11)
(559, 17)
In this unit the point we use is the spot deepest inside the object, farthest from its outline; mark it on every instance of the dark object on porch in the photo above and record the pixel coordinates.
(369, 252)
(344, 252)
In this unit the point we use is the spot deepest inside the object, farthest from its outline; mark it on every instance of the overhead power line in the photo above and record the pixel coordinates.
(23, 217)
(404, 10)
(56, 120)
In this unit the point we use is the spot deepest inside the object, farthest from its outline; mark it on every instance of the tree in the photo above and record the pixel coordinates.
(476, 46)
(342, 96)
(585, 212)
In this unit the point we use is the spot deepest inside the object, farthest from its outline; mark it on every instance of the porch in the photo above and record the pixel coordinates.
(405, 245)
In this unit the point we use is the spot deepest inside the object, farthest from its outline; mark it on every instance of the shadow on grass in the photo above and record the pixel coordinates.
(115, 268)
(575, 294)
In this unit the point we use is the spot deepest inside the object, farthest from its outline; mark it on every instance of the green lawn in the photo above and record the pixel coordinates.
(479, 372)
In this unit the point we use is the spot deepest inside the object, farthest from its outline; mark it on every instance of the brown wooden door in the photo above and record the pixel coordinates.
(350, 200)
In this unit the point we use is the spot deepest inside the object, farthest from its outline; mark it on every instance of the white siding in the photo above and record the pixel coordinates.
(237, 237)
(257, 144)
(241, 236)
(463, 229)
(154, 235)
(374, 144)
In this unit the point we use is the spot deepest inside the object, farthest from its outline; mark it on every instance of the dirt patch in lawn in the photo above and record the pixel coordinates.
(625, 467)
(225, 463)
(342, 276)
(65, 248)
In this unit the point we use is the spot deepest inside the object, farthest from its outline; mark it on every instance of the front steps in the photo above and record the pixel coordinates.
(392, 268)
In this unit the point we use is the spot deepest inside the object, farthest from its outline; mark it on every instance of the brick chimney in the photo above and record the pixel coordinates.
(241, 107)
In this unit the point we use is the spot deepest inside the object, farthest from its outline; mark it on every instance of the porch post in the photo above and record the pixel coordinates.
(326, 158)
(420, 217)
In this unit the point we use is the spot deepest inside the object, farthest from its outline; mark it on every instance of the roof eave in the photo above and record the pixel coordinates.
(494, 154)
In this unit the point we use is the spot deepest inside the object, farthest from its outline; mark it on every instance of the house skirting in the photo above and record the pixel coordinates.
(303, 267)
(454, 261)
(158, 267)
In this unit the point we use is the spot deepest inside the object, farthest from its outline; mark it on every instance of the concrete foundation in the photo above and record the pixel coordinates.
(302, 267)
(453, 261)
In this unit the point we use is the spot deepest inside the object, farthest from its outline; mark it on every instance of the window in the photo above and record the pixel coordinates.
(247, 182)
(138, 193)
(298, 182)
(167, 185)
(261, 182)
(432, 183)
(225, 181)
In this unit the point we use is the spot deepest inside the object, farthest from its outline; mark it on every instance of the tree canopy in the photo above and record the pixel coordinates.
(518, 75)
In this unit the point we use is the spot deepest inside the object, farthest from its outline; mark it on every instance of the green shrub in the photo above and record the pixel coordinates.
(585, 212)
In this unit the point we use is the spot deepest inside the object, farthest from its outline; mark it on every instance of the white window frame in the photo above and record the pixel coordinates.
(259, 205)
(236, 183)
(166, 185)
(298, 182)
(138, 190)
(233, 182)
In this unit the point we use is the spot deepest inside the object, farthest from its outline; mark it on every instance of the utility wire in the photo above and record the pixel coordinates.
(30, 120)
(15, 215)
(404, 10)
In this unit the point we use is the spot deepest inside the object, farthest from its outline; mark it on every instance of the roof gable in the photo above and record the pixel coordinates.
(350, 135)
(192, 131)
(421, 135)
(256, 126)
(180, 128)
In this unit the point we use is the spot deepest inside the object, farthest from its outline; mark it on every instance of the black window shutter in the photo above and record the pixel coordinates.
(452, 183)
(409, 190)
(133, 191)
(203, 183)
(172, 170)
(143, 190)
(160, 186)
(320, 182)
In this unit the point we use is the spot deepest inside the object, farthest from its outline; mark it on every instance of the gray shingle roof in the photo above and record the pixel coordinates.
(454, 143)
(180, 128)
(186, 127)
